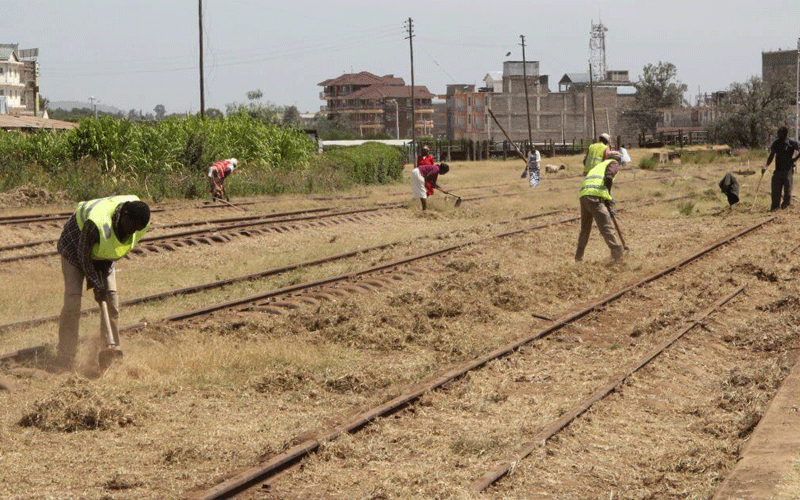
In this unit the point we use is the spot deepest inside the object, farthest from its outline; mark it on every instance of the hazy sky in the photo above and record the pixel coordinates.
(139, 53)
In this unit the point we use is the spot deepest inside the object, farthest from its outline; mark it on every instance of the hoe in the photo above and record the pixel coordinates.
(112, 351)
(458, 198)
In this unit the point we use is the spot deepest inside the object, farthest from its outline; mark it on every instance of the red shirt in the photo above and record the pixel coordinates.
(425, 160)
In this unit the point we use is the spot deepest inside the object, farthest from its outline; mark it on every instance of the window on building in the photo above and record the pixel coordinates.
(2, 92)
(469, 119)
(1, 70)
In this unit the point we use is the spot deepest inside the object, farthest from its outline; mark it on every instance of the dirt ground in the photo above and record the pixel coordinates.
(193, 401)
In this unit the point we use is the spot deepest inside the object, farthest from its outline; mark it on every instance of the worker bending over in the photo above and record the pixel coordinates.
(597, 204)
(217, 173)
(95, 236)
(597, 152)
(424, 179)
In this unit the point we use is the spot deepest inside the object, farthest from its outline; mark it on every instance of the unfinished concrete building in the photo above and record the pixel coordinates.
(780, 66)
(560, 117)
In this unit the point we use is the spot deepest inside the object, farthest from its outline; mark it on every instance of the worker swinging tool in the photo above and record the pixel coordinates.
(99, 233)
(597, 205)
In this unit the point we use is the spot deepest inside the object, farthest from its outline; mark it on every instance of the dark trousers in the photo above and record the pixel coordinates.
(781, 184)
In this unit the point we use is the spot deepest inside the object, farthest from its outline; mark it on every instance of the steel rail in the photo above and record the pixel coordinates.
(540, 439)
(257, 474)
(182, 224)
(238, 279)
(281, 291)
(196, 232)
(279, 270)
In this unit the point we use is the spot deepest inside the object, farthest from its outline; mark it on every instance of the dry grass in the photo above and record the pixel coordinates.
(216, 394)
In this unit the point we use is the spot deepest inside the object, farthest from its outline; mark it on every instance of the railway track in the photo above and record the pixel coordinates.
(265, 301)
(280, 462)
(284, 269)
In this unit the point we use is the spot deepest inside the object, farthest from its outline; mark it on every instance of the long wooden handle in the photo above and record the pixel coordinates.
(107, 324)
(758, 187)
(616, 225)
(507, 137)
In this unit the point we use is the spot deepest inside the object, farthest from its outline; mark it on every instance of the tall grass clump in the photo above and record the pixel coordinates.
(370, 163)
(159, 159)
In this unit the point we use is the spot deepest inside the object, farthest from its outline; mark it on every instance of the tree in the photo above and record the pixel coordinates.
(160, 111)
(291, 116)
(213, 113)
(266, 112)
(656, 89)
(749, 112)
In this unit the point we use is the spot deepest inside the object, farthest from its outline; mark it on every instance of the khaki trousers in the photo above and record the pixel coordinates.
(593, 208)
(69, 321)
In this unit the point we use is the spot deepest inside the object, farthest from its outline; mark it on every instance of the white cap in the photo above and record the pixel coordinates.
(605, 136)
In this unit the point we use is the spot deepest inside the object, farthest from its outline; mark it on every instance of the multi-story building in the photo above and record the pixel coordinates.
(780, 66)
(12, 90)
(19, 80)
(378, 104)
(563, 116)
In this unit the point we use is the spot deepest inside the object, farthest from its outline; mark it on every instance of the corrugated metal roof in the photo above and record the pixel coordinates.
(15, 122)
(362, 78)
(574, 78)
(5, 53)
(388, 91)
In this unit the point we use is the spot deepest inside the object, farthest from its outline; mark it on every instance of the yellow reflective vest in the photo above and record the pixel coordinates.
(101, 213)
(594, 156)
(594, 182)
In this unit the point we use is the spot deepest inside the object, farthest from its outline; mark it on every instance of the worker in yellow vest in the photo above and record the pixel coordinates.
(95, 236)
(597, 152)
(597, 204)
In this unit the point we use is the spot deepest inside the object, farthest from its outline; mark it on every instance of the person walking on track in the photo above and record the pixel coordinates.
(424, 179)
(782, 150)
(217, 173)
(100, 232)
(597, 204)
(597, 152)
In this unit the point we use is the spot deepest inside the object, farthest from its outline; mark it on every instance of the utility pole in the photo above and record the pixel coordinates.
(525, 81)
(797, 96)
(591, 93)
(202, 92)
(413, 106)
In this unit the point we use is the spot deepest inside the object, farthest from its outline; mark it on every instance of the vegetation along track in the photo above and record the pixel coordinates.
(277, 463)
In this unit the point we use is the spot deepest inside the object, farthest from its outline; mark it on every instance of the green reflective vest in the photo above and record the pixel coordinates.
(593, 184)
(594, 156)
(101, 213)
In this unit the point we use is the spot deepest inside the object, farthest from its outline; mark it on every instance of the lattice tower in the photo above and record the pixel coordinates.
(597, 51)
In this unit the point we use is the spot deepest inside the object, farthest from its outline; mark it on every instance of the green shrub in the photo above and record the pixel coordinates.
(370, 163)
(647, 163)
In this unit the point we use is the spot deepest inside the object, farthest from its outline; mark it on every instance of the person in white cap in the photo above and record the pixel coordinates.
(597, 152)
(216, 177)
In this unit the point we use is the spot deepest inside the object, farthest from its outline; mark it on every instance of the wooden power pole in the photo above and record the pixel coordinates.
(413, 106)
(525, 82)
(202, 92)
